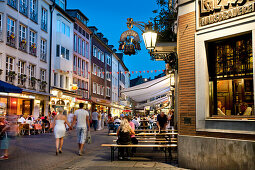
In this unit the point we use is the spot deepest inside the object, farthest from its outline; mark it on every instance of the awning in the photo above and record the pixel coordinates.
(149, 90)
(154, 102)
(9, 88)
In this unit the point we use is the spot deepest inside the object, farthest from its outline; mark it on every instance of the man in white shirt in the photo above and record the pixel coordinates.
(95, 116)
(117, 121)
(136, 123)
(102, 120)
(81, 116)
(21, 119)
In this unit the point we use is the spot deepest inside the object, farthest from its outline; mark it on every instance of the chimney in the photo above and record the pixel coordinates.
(93, 29)
(114, 50)
(100, 35)
(105, 40)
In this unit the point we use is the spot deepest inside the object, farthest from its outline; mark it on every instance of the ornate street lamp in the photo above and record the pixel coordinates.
(149, 37)
(130, 41)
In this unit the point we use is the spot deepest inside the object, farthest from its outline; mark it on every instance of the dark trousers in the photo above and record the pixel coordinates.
(122, 151)
(95, 122)
(134, 141)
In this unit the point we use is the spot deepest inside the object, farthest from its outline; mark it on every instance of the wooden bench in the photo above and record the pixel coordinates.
(115, 146)
(153, 141)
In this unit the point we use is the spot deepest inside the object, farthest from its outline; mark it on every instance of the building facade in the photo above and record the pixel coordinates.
(216, 84)
(101, 67)
(62, 57)
(24, 55)
(81, 55)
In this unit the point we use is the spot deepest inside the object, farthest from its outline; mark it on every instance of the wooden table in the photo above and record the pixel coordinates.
(149, 134)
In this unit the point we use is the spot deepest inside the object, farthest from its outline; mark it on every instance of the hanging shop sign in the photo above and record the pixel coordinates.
(74, 87)
(213, 11)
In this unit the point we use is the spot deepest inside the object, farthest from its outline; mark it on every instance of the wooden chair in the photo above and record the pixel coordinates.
(38, 128)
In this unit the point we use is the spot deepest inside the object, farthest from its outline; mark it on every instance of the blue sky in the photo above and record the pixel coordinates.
(110, 17)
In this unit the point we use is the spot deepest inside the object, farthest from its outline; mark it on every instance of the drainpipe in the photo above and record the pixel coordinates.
(52, 7)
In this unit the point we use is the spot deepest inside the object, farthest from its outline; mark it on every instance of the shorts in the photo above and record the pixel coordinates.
(4, 143)
(81, 135)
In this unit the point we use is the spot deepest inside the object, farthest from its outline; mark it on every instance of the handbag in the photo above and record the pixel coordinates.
(88, 138)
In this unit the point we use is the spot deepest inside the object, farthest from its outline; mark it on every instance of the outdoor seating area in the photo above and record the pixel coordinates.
(166, 140)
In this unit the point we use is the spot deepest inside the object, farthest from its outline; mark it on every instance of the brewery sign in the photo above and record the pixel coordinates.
(213, 11)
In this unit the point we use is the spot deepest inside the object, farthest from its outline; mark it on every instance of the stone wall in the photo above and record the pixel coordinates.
(198, 152)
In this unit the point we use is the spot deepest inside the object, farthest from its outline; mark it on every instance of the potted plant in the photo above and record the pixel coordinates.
(43, 85)
(23, 77)
(11, 75)
(33, 81)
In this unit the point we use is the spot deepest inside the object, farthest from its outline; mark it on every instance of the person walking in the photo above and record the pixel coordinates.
(60, 129)
(81, 119)
(95, 119)
(99, 120)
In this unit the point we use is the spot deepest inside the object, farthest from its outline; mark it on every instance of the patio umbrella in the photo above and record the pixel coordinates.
(9, 88)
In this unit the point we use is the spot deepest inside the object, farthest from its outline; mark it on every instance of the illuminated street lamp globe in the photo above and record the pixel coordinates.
(149, 37)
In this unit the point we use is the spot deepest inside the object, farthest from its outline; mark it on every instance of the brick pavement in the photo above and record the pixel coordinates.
(38, 152)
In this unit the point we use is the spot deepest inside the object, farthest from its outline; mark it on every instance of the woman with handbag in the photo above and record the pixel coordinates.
(124, 133)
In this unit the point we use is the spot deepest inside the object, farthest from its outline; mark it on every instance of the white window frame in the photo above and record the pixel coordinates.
(43, 49)
(102, 56)
(98, 89)
(95, 51)
(22, 32)
(94, 88)
(75, 63)
(32, 37)
(102, 90)
(44, 18)
(87, 50)
(11, 23)
(98, 71)
(43, 74)
(63, 28)
(75, 43)
(67, 31)
(83, 48)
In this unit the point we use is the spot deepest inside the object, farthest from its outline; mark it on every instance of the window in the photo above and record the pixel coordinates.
(79, 66)
(98, 89)
(108, 92)
(67, 54)
(33, 10)
(94, 69)
(63, 28)
(63, 51)
(102, 56)
(86, 68)
(10, 27)
(94, 88)
(21, 72)
(23, 7)
(74, 63)
(83, 68)
(94, 51)
(31, 75)
(98, 71)
(22, 32)
(83, 48)
(43, 75)
(68, 31)
(231, 77)
(58, 26)
(75, 42)
(86, 86)
(12, 3)
(58, 51)
(23, 38)
(61, 81)
(1, 22)
(67, 83)
(108, 76)
(9, 68)
(32, 42)
(44, 19)
(102, 90)
(87, 50)
(43, 49)
(55, 79)
(79, 45)
(108, 60)
(99, 54)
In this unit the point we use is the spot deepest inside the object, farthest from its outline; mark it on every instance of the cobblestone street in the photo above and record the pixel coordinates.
(38, 152)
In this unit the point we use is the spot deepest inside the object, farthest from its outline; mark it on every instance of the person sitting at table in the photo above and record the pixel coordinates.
(245, 110)
(30, 122)
(124, 133)
(117, 120)
(161, 121)
(21, 119)
(219, 110)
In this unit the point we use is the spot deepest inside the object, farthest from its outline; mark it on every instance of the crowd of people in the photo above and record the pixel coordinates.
(82, 120)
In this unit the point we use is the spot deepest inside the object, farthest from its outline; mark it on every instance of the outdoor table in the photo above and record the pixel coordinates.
(149, 134)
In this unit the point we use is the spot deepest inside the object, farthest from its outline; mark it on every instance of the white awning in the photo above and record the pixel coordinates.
(154, 102)
(149, 90)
